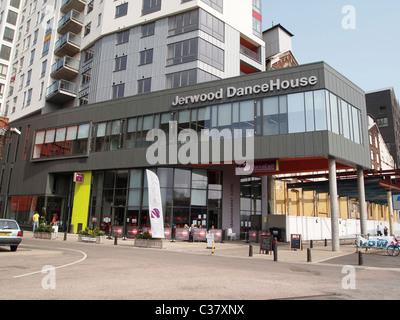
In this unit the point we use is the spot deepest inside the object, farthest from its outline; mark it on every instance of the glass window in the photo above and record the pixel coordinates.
(345, 119)
(271, 116)
(224, 116)
(135, 180)
(150, 6)
(356, 125)
(246, 114)
(121, 10)
(309, 104)
(334, 113)
(296, 116)
(184, 22)
(283, 115)
(320, 110)
(182, 178)
(166, 177)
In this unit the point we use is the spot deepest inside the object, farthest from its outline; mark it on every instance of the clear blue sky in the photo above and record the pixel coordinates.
(368, 55)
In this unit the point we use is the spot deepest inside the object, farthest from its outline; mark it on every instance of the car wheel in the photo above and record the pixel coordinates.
(13, 248)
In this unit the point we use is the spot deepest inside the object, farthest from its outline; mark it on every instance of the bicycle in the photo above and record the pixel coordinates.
(394, 248)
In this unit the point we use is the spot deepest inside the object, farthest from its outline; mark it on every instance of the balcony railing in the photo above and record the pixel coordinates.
(68, 45)
(67, 5)
(71, 22)
(61, 91)
(66, 68)
(250, 53)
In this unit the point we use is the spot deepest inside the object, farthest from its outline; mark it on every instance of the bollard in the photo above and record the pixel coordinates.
(275, 250)
(115, 240)
(326, 242)
(309, 255)
(65, 236)
(360, 258)
(311, 244)
(250, 250)
(212, 248)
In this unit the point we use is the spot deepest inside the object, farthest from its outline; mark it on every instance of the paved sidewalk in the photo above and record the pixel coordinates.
(236, 248)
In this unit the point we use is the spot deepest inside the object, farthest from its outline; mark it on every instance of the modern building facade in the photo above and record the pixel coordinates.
(9, 14)
(74, 52)
(301, 119)
(384, 108)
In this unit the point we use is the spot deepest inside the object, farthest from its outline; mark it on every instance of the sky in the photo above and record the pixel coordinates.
(362, 44)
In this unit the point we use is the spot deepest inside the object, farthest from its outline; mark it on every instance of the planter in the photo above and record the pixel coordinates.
(150, 243)
(89, 239)
(45, 235)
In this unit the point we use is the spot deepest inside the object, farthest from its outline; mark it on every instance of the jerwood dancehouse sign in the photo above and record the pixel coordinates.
(230, 92)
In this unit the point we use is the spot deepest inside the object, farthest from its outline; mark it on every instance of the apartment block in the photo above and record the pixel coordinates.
(74, 52)
(9, 13)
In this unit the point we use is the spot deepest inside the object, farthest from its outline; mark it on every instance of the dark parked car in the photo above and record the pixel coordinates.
(10, 233)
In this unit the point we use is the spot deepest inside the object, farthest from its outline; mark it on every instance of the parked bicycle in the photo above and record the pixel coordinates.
(394, 248)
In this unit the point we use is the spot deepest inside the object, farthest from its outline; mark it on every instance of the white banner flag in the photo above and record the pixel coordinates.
(155, 205)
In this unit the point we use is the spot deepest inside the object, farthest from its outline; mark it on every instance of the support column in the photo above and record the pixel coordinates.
(264, 202)
(361, 196)
(334, 204)
(390, 207)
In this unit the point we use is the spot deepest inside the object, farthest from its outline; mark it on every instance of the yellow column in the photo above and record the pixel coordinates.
(80, 209)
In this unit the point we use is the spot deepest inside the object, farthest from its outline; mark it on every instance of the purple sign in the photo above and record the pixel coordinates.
(78, 177)
(155, 213)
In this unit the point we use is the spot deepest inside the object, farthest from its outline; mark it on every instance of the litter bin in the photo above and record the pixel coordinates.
(278, 233)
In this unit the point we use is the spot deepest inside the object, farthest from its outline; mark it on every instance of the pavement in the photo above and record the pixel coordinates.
(238, 249)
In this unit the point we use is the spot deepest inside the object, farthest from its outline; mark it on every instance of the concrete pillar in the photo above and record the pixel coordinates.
(390, 207)
(334, 204)
(264, 202)
(361, 196)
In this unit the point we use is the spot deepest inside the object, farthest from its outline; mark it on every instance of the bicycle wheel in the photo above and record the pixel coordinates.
(393, 250)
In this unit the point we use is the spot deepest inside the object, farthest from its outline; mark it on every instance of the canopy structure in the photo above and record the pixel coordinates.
(376, 184)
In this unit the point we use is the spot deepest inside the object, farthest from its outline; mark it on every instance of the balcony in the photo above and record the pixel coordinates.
(68, 45)
(68, 5)
(71, 22)
(66, 68)
(250, 53)
(61, 92)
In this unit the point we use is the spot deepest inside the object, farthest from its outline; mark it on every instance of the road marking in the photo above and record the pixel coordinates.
(59, 267)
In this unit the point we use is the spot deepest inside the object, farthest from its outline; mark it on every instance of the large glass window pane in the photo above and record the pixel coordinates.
(166, 177)
(309, 111)
(199, 179)
(203, 118)
(271, 116)
(60, 134)
(135, 180)
(356, 125)
(182, 178)
(50, 136)
(283, 117)
(345, 119)
(224, 116)
(334, 113)
(134, 197)
(83, 131)
(130, 134)
(320, 110)
(296, 116)
(247, 117)
(199, 198)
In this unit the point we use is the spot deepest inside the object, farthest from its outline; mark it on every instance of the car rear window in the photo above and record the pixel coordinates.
(8, 224)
